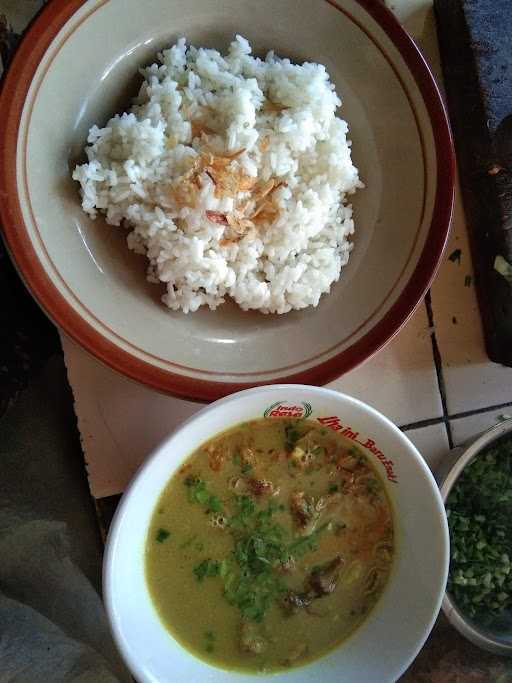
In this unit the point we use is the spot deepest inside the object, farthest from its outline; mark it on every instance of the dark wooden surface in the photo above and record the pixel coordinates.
(475, 41)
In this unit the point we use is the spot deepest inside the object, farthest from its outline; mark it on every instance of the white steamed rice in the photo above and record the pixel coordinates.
(277, 120)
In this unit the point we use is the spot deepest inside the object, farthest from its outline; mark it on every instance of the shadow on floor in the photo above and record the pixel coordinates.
(42, 471)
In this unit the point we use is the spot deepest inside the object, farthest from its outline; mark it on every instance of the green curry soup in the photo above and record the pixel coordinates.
(270, 545)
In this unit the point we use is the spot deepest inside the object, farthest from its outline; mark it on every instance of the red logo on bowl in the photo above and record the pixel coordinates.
(285, 409)
(333, 422)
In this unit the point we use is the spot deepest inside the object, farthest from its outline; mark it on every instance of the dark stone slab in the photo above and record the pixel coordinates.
(27, 337)
(475, 38)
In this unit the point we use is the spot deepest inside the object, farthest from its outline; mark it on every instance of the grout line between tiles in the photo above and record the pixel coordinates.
(422, 423)
(477, 411)
(439, 368)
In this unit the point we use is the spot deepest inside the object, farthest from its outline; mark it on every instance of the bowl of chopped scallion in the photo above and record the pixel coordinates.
(476, 485)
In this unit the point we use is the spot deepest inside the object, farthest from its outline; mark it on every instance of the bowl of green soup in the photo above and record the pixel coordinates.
(286, 530)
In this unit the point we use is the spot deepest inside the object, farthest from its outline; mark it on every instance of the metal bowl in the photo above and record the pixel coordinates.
(447, 475)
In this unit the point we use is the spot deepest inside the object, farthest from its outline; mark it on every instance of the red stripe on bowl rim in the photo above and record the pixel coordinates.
(13, 91)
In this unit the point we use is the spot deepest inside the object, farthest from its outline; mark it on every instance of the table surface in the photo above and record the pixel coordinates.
(435, 381)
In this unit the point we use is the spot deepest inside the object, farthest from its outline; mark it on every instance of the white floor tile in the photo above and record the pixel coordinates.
(121, 421)
(400, 381)
(465, 428)
(432, 443)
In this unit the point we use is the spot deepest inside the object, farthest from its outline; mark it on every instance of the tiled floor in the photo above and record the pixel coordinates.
(439, 399)
(121, 422)
(465, 428)
(431, 441)
(472, 382)
(433, 379)
(401, 380)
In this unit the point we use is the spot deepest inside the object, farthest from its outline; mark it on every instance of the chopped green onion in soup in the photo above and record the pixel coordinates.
(282, 543)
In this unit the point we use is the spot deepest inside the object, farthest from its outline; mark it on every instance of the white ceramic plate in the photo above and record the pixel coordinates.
(78, 65)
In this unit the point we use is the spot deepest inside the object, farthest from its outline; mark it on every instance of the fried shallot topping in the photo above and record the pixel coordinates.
(250, 212)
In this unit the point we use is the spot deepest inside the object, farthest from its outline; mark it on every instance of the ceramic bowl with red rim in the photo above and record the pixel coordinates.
(386, 642)
(77, 66)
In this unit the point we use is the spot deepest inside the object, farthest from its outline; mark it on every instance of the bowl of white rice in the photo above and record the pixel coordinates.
(211, 196)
